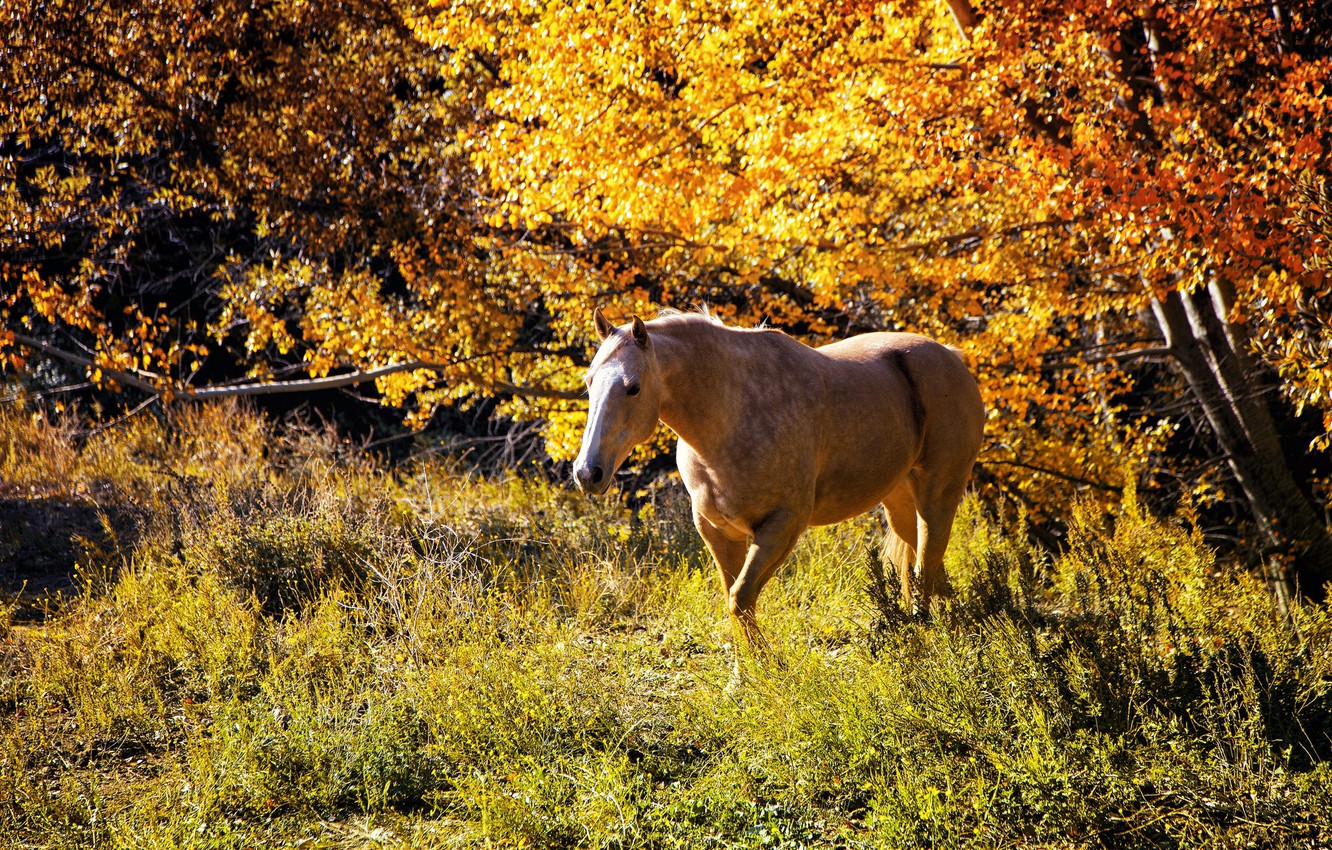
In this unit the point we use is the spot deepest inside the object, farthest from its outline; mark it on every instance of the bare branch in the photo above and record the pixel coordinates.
(1155, 352)
(78, 359)
(964, 16)
(1054, 473)
(331, 382)
(141, 382)
(538, 392)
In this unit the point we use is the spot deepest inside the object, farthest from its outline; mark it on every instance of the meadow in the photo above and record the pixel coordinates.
(273, 638)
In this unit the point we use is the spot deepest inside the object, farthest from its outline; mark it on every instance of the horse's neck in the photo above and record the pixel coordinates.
(702, 399)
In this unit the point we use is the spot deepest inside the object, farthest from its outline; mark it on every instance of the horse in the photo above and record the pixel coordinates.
(776, 436)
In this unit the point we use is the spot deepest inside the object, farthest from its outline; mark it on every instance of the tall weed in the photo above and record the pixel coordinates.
(292, 645)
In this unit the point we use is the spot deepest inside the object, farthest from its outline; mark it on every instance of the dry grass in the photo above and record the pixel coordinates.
(291, 645)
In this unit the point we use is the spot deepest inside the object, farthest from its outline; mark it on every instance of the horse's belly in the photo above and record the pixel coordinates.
(836, 501)
(840, 511)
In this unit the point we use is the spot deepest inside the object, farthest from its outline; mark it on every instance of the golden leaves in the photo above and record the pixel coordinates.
(1020, 193)
(254, 167)
(463, 194)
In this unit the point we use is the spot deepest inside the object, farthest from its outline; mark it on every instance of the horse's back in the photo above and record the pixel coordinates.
(887, 346)
(908, 366)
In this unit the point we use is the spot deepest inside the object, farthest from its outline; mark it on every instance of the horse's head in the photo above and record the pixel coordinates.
(624, 392)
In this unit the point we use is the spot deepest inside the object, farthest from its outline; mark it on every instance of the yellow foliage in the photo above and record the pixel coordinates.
(457, 184)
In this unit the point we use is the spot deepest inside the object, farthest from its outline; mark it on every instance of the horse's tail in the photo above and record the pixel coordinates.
(901, 558)
(897, 557)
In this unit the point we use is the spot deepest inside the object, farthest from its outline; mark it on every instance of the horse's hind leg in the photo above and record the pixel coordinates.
(900, 545)
(936, 507)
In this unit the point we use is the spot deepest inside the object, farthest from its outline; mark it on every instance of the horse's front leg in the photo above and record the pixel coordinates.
(728, 552)
(772, 542)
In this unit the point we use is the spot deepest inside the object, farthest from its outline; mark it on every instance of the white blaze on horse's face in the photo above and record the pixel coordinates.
(624, 393)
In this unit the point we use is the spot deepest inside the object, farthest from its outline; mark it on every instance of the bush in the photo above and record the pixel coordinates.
(326, 652)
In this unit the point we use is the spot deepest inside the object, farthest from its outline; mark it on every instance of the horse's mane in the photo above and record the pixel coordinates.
(703, 315)
(673, 316)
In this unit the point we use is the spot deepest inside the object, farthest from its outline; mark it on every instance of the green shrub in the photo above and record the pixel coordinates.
(318, 651)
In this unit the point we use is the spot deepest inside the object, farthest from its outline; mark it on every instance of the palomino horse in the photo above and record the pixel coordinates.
(776, 436)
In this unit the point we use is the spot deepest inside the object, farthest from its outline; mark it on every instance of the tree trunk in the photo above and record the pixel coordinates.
(1211, 353)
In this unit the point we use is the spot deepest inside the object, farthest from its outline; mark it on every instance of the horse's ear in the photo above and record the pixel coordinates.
(640, 333)
(604, 327)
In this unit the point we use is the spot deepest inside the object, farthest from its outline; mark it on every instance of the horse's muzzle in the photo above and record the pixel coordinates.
(592, 479)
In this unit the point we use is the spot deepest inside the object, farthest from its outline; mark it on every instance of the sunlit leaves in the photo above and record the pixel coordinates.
(315, 187)
(273, 186)
(1024, 191)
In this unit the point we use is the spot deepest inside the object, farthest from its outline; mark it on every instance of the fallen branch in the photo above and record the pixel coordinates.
(145, 383)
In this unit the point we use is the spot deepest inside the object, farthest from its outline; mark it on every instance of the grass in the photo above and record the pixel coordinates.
(274, 641)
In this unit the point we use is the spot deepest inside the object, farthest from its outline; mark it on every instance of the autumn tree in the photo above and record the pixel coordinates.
(1187, 162)
(1077, 194)
(1107, 207)
(211, 197)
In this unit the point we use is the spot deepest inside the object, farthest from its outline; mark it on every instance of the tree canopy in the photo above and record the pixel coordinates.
(1118, 212)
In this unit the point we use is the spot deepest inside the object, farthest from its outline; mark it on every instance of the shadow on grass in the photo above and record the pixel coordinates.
(44, 543)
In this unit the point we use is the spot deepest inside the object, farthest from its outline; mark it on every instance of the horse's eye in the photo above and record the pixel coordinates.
(632, 389)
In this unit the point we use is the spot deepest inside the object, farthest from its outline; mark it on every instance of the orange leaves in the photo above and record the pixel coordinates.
(230, 161)
(317, 189)
(636, 119)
